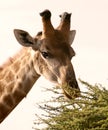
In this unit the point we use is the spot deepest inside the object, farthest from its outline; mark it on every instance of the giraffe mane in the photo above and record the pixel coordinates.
(12, 59)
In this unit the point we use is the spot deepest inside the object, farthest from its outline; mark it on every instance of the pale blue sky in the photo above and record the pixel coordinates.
(89, 18)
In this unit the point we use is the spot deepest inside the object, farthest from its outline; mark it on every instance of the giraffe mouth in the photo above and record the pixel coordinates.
(72, 94)
(71, 91)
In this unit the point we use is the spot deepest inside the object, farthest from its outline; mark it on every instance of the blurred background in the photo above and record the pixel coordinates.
(89, 19)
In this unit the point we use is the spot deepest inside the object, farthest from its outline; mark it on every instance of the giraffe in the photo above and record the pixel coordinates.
(49, 53)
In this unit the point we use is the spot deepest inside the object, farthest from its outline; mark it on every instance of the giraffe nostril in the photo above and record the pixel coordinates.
(70, 83)
(73, 84)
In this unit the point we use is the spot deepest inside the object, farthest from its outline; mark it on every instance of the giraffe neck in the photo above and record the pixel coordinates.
(16, 82)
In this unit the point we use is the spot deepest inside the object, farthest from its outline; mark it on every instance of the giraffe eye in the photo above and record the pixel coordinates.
(45, 54)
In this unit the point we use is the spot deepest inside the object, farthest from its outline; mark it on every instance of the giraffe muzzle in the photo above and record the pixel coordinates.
(71, 90)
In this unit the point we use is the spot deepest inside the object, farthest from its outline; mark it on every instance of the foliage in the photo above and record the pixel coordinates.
(88, 112)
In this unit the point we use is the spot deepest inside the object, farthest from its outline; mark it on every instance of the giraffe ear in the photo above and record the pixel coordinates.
(72, 36)
(24, 38)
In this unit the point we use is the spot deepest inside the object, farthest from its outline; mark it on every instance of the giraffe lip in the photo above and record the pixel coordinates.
(72, 94)
(71, 90)
(75, 95)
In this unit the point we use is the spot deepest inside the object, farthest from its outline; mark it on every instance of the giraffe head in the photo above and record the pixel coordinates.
(51, 51)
